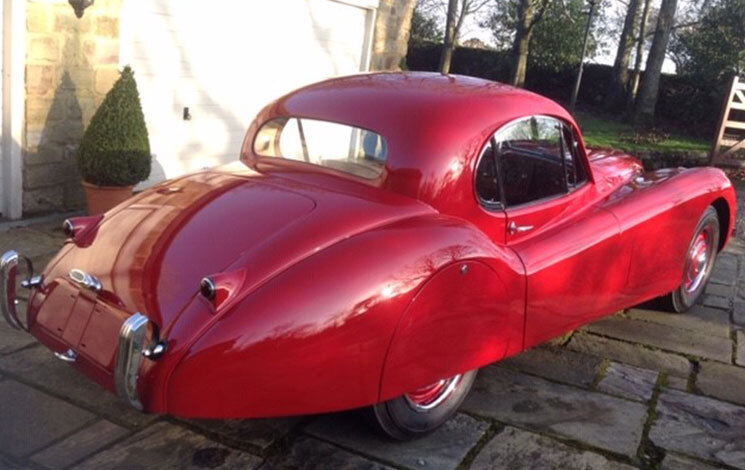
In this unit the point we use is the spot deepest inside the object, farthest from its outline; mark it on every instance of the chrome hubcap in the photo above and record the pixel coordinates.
(697, 262)
(428, 397)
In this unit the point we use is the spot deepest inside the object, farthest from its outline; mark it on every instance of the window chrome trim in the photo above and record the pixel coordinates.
(495, 136)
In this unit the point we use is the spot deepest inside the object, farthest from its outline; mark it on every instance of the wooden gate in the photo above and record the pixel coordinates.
(729, 145)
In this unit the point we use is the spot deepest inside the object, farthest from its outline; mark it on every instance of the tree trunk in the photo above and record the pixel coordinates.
(641, 39)
(448, 46)
(521, 46)
(647, 100)
(620, 77)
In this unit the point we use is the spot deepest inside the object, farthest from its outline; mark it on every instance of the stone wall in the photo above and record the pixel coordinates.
(71, 64)
(392, 29)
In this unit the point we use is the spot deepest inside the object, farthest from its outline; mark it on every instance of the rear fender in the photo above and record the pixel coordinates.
(467, 315)
(314, 338)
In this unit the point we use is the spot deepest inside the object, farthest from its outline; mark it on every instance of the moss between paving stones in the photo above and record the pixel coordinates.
(651, 455)
(493, 430)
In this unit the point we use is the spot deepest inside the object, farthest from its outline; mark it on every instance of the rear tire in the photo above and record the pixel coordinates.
(700, 259)
(420, 412)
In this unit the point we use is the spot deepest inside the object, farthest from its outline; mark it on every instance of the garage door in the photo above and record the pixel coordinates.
(205, 68)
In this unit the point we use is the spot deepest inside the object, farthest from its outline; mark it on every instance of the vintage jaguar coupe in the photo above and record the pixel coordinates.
(382, 238)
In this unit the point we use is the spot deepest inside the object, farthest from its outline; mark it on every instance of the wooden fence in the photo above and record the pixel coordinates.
(729, 145)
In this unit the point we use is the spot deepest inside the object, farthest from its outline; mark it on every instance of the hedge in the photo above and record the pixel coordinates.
(683, 103)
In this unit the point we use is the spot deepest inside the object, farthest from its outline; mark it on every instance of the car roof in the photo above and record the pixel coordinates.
(431, 122)
(412, 106)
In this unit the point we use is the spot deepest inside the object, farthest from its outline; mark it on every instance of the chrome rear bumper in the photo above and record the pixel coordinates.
(131, 350)
(8, 302)
(133, 334)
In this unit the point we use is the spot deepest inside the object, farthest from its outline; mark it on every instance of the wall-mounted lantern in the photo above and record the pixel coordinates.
(79, 6)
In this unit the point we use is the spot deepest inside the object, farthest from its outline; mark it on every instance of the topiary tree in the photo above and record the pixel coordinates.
(115, 150)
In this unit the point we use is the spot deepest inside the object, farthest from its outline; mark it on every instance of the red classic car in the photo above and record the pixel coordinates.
(382, 238)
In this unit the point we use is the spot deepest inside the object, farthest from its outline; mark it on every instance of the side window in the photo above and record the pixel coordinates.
(532, 160)
(487, 178)
(575, 168)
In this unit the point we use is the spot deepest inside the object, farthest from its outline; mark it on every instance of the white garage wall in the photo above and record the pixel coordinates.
(225, 60)
(13, 56)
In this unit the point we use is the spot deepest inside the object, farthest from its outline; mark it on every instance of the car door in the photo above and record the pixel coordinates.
(567, 243)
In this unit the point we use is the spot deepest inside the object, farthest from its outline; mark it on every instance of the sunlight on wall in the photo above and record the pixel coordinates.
(225, 63)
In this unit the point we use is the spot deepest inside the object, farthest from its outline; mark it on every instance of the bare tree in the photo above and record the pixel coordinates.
(641, 38)
(620, 76)
(528, 15)
(448, 45)
(650, 86)
(457, 12)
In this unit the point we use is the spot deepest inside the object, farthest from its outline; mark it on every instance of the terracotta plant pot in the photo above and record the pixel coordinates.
(102, 198)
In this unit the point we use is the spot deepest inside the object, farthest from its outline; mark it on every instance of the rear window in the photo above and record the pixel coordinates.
(341, 147)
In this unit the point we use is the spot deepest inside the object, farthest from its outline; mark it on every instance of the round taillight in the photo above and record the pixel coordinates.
(68, 228)
(207, 288)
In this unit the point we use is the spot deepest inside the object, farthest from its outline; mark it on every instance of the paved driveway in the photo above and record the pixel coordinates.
(639, 389)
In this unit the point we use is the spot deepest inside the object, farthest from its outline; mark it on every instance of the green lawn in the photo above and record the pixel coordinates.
(602, 132)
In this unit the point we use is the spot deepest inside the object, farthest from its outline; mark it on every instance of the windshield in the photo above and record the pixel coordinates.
(341, 147)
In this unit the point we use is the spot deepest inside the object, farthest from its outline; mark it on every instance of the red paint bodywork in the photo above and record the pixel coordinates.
(336, 292)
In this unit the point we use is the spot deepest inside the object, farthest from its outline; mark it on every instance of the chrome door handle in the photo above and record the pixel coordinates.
(514, 228)
(67, 356)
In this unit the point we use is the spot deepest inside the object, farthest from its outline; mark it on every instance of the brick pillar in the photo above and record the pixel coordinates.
(391, 34)
(71, 63)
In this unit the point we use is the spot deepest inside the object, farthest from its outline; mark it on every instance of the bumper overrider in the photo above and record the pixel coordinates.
(133, 335)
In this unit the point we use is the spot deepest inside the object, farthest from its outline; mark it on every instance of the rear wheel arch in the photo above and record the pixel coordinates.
(466, 315)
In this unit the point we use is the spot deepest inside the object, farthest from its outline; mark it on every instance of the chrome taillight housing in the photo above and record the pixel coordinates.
(208, 289)
(82, 230)
(223, 288)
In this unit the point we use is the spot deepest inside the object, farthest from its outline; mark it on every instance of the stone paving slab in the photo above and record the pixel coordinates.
(628, 381)
(38, 366)
(679, 462)
(676, 383)
(722, 381)
(699, 320)
(727, 261)
(513, 448)
(561, 365)
(258, 433)
(80, 445)
(719, 289)
(311, 454)
(699, 426)
(31, 420)
(740, 358)
(727, 277)
(445, 448)
(36, 244)
(12, 340)
(716, 301)
(7, 464)
(738, 313)
(602, 421)
(664, 337)
(633, 354)
(164, 445)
